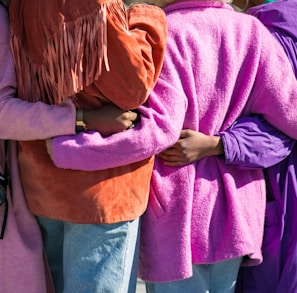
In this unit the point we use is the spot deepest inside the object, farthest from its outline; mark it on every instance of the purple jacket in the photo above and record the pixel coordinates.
(253, 143)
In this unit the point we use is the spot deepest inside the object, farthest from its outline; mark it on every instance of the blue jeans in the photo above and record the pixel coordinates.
(87, 258)
(211, 278)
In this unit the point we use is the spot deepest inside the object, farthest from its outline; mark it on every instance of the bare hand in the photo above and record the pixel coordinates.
(192, 146)
(109, 119)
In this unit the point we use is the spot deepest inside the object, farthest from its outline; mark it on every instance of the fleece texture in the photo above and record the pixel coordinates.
(219, 65)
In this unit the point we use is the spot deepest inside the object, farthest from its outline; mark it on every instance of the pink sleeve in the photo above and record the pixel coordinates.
(162, 119)
(274, 93)
(21, 120)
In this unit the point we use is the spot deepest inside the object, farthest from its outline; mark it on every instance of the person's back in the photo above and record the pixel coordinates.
(98, 54)
(217, 62)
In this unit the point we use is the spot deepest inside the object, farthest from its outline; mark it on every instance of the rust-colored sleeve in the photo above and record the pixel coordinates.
(136, 42)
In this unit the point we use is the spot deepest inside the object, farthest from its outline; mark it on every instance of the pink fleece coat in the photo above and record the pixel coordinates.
(219, 65)
(21, 256)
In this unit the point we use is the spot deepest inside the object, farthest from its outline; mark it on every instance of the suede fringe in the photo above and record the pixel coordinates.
(73, 58)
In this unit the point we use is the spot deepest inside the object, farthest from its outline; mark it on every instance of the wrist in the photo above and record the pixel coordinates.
(217, 146)
(49, 147)
(80, 125)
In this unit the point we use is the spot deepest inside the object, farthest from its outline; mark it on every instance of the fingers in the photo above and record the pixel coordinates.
(171, 152)
(131, 126)
(170, 157)
(171, 160)
(185, 133)
(131, 115)
(175, 163)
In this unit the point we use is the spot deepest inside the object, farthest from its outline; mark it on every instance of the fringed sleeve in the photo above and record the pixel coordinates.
(96, 48)
(58, 59)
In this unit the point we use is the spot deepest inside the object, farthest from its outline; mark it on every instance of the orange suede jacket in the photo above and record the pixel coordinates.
(95, 52)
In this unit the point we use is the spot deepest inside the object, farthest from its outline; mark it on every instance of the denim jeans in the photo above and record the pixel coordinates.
(87, 258)
(211, 278)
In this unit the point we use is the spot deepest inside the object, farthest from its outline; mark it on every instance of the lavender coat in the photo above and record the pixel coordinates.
(253, 143)
(21, 255)
(207, 211)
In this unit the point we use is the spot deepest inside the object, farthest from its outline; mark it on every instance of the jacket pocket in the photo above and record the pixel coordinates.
(155, 203)
(272, 224)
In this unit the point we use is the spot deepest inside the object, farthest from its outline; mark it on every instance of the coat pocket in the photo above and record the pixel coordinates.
(155, 203)
(271, 225)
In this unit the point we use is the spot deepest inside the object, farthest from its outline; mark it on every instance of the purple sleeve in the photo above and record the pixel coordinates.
(253, 143)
